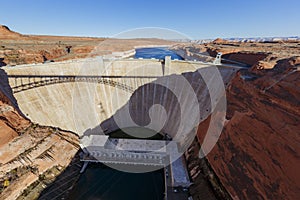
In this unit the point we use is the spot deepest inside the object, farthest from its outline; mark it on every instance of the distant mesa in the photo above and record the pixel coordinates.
(6, 32)
(219, 41)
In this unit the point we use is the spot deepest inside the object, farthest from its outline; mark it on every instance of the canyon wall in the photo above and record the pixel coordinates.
(257, 155)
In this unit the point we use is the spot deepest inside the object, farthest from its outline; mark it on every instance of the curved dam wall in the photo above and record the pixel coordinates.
(172, 106)
(144, 88)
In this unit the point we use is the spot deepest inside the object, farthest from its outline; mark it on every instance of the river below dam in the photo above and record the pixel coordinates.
(102, 182)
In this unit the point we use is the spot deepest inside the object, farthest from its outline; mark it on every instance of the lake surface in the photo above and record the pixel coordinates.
(103, 183)
(158, 53)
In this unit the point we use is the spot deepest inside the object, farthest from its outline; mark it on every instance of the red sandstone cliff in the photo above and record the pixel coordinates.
(11, 123)
(6, 33)
(257, 155)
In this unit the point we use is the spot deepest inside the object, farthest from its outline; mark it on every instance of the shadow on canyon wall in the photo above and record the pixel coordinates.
(7, 91)
(61, 187)
(2, 63)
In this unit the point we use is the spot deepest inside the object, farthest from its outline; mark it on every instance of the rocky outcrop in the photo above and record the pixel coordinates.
(219, 41)
(11, 123)
(6, 33)
(206, 184)
(249, 58)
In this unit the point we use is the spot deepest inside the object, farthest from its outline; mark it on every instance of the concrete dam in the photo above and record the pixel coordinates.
(98, 96)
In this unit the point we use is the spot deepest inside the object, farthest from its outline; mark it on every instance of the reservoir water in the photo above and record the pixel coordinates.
(158, 53)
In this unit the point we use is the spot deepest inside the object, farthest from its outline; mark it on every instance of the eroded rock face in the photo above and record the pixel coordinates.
(257, 155)
(10, 121)
(6, 33)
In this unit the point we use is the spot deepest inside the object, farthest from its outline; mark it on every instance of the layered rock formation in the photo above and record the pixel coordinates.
(11, 122)
(6, 33)
(16, 48)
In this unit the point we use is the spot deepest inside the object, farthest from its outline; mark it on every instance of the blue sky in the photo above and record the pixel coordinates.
(198, 19)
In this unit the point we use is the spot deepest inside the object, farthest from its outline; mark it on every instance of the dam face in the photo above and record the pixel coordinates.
(92, 96)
